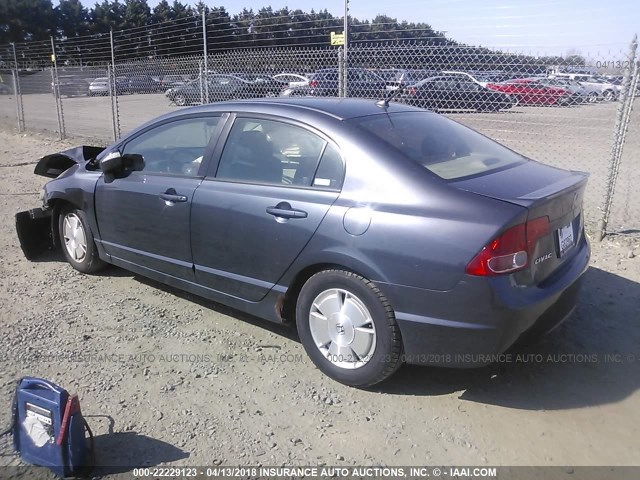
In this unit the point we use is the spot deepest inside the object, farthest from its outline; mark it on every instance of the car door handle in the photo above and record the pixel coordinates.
(171, 196)
(284, 210)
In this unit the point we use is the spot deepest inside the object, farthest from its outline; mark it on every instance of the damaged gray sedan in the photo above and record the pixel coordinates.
(384, 232)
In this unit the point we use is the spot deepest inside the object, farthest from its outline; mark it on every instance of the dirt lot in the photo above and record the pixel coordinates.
(166, 378)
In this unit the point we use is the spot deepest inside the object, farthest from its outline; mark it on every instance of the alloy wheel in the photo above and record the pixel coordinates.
(342, 328)
(75, 239)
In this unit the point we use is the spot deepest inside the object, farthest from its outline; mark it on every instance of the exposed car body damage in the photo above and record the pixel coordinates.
(34, 231)
(34, 227)
(53, 165)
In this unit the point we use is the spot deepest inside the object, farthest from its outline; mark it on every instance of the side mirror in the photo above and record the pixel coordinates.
(133, 162)
(111, 163)
(115, 165)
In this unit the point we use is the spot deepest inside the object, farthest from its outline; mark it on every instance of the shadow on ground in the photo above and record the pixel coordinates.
(591, 359)
(121, 452)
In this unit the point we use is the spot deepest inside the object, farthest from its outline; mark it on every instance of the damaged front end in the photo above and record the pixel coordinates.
(35, 227)
(34, 231)
(54, 165)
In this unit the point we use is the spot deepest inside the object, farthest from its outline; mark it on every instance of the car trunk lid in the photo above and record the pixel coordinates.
(544, 191)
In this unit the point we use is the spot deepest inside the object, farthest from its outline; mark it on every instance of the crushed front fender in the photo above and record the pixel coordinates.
(34, 232)
(53, 165)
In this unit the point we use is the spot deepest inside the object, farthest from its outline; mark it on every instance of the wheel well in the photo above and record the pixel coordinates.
(56, 205)
(291, 297)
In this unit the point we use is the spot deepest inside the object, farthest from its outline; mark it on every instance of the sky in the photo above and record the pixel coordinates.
(598, 29)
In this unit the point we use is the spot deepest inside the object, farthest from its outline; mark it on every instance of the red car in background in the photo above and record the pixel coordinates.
(532, 92)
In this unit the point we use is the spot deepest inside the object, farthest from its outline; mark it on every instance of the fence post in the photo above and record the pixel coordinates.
(206, 62)
(16, 91)
(345, 89)
(200, 82)
(341, 75)
(619, 135)
(56, 90)
(111, 80)
(113, 91)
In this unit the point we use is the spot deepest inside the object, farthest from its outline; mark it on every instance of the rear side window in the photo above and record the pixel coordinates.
(277, 153)
(444, 147)
(331, 169)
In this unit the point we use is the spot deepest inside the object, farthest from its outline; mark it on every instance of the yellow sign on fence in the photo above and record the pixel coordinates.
(337, 38)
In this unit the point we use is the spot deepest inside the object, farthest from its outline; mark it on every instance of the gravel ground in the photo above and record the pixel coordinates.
(167, 378)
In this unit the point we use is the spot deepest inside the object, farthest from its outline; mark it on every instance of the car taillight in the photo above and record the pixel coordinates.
(411, 91)
(313, 83)
(510, 251)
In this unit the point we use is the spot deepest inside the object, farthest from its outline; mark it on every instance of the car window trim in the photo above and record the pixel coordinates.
(214, 165)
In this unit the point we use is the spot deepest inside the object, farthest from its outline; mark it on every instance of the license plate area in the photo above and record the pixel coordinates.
(566, 239)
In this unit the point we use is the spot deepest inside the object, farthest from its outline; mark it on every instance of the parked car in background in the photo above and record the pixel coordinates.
(478, 78)
(385, 235)
(325, 83)
(142, 84)
(100, 86)
(606, 90)
(532, 92)
(291, 80)
(171, 81)
(225, 87)
(397, 77)
(579, 92)
(454, 92)
(69, 86)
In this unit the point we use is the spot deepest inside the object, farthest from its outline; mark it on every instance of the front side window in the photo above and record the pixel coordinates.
(176, 147)
(444, 147)
(277, 153)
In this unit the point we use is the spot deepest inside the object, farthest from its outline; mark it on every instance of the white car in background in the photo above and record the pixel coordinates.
(291, 80)
(599, 87)
(475, 78)
(580, 93)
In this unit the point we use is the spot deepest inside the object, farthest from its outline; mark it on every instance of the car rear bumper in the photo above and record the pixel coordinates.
(472, 324)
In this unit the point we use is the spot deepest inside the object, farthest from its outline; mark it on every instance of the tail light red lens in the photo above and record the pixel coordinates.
(411, 91)
(313, 83)
(510, 251)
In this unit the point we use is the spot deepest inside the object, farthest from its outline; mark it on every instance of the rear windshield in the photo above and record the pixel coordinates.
(444, 147)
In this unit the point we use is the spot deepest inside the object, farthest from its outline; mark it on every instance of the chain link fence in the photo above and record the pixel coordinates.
(570, 111)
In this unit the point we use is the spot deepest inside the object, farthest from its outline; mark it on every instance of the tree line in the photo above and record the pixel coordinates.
(33, 20)
(175, 29)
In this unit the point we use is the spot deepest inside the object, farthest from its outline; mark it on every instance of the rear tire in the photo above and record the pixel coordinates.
(76, 239)
(608, 96)
(348, 328)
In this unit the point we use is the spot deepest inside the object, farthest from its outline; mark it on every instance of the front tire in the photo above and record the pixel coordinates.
(76, 239)
(348, 328)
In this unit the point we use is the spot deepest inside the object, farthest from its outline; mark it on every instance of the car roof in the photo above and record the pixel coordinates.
(337, 108)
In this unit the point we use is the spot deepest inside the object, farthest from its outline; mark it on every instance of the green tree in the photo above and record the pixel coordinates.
(136, 14)
(106, 16)
(71, 18)
(26, 20)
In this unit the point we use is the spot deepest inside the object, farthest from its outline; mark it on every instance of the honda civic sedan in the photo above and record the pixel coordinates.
(385, 233)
